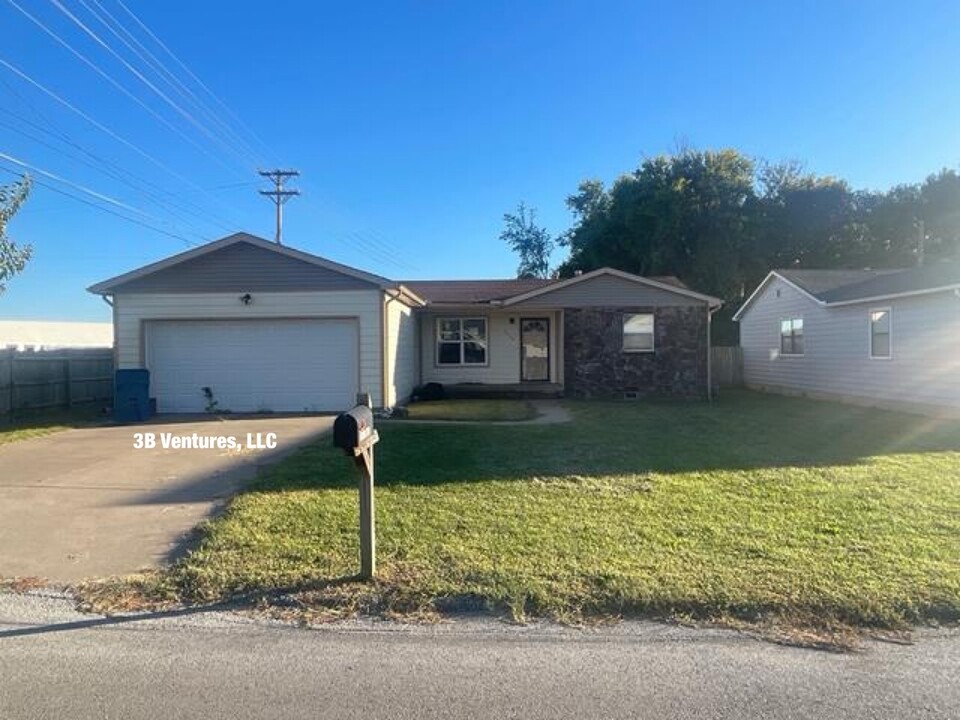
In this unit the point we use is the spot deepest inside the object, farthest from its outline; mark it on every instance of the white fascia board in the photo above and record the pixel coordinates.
(766, 281)
(710, 300)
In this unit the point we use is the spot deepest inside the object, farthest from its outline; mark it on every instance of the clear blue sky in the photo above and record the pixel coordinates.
(416, 126)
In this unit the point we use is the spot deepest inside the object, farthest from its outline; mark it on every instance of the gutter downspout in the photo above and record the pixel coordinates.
(710, 312)
(113, 317)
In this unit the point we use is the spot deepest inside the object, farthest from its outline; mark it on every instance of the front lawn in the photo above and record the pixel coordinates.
(756, 507)
(472, 410)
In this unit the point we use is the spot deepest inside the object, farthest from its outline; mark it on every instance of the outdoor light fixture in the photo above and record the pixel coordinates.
(246, 298)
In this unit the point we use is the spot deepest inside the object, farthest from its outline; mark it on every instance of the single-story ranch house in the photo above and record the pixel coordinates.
(879, 337)
(266, 327)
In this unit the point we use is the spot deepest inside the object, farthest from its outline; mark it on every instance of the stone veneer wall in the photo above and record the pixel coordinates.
(596, 366)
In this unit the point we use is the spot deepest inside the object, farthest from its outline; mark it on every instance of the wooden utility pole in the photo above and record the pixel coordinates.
(279, 195)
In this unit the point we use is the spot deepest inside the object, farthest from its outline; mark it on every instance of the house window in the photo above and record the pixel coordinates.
(461, 341)
(638, 332)
(791, 336)
(880, 347)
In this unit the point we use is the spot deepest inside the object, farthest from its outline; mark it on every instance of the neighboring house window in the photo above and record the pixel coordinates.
(638, 332)
(791, 336)
(461, 341)
(880, 347)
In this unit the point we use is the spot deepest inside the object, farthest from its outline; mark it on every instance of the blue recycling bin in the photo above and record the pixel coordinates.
(131, 396)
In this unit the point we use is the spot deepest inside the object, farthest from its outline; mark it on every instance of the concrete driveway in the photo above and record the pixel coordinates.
(85, 503)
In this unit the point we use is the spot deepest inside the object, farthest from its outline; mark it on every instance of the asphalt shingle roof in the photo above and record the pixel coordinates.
(850, 285)
(468, 292)
(928, 277)
(472, 291)
(818, 282)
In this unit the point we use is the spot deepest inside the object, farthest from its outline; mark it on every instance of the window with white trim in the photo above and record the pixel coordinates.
(461, 341)
(638, 332)
(880, 346)
(791, 336)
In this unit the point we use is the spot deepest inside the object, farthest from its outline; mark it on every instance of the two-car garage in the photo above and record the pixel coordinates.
(246, 326)
(253, 365)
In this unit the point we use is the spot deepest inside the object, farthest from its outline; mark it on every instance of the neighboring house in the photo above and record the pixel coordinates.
(878, 337)
(267, 327)
(51, 335)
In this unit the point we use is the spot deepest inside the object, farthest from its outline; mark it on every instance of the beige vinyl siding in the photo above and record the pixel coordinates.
(503, 348)
(401, 340)
(364, 305)
(608, 291)
(925, 363)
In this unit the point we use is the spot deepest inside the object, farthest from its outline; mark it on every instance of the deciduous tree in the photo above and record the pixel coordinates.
(13, 255)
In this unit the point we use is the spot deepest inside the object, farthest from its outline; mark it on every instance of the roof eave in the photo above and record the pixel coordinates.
(895, 296)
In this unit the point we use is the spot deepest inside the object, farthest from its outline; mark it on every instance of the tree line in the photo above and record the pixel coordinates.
(720, 220)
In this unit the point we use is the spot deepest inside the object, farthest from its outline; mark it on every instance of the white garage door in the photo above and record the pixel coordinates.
(253, 365)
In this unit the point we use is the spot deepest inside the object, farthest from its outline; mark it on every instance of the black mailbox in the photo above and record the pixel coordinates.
(352, 428)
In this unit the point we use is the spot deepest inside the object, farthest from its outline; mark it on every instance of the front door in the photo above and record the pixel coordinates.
(535, 349)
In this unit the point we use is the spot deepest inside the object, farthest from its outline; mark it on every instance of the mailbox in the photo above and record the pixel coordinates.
(352, 429)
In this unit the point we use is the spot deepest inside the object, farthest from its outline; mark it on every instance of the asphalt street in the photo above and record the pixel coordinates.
(55, 663)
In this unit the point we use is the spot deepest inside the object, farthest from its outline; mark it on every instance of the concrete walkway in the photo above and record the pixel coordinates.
(86, 502)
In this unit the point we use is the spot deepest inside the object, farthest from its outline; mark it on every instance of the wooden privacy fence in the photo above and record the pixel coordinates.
(727, 364)
(54, 379)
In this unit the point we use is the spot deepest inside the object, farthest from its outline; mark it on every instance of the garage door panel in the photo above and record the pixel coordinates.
(253, 365)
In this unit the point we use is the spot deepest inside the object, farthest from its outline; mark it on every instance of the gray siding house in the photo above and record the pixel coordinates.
(266, 327)
(888, 338)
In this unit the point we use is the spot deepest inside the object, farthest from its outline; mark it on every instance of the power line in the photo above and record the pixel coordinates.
(140, 76)
(106, 76)
(157, 197)
(100, 126)
(196, 79)
(57, 190)
(93, 193)
(112, 169)
(130, 41)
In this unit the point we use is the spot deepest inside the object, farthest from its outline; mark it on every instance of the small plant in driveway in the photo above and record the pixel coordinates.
(212, 404)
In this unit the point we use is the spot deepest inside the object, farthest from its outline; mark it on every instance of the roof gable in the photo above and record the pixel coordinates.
(241, 263)
(622, 280)
(843, 287)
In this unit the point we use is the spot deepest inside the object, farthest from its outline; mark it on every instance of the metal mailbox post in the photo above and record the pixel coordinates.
(353, 432)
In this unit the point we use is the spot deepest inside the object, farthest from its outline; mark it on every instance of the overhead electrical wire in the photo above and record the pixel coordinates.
(171, 207)
(226, 140)
(116, 84)
(198, 81)
(100, 126)
(110, 168)
(373, 246)
(140, 76)
(107, 210)
(82, 188)
(130, 41)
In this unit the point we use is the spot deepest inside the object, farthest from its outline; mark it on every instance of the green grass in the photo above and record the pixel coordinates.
(40, 424)
(755, 507)
(475, 410)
